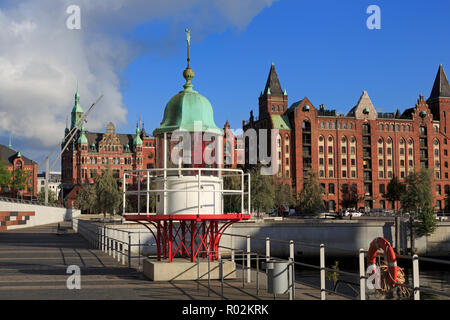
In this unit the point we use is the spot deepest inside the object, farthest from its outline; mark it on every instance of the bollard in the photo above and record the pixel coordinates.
(249, 265)
(322, 272)
(362, 278)
(416, 282)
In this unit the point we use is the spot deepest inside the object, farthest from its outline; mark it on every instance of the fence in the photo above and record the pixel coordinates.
(14, 200)
(119, 243)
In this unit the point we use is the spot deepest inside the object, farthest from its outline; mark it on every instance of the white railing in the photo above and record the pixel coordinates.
(147, 176)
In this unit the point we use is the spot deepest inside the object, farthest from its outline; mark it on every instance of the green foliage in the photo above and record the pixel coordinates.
(262, 191)
(395, 190)
(311, 200)
(51, 196)
(427, 222)
(107, 191)
(418, 195)
(350, 196)
(232, 203)
(283, 195)
(5, 176)
(333, 276)
(19, 180)
(87, 198)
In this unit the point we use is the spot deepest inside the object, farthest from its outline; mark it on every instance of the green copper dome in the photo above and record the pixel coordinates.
(186, 108)
(82, 139)
(137, 140)
(77, 111)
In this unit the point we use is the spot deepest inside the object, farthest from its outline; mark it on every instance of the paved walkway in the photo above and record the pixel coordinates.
(34, 261)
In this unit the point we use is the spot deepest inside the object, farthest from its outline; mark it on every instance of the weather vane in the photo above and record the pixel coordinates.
(188, 39)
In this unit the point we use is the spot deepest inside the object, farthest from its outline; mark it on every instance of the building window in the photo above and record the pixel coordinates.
(438, 189)
(389, 162)
(331, 188)
(382, 189)
(402, 151)
(344, 174)
(380, 151)
(321, 161)
(330, 174)
(353, 174)
(353, 162)
(389, 151)
(402, 163)
(381, 174)
(380, 162)
(330, 149)
(330, 161)
(389, 174)
(320, 149)
(321, 173)
(344, 162)
(344, 150)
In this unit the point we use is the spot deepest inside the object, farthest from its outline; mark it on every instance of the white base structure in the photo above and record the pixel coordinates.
(184, 197)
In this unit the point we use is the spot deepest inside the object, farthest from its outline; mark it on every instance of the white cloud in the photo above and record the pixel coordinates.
(41, 60)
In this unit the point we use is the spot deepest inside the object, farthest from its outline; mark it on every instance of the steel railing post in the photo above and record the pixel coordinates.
(292, 275)
(249, 270)
(416, 278)
(232, 248)
(129, 250)
(221, 278)
(362, 278)
(322, 272)
(267, 260)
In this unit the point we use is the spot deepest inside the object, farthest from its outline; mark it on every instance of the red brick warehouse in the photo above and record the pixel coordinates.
(365, 148)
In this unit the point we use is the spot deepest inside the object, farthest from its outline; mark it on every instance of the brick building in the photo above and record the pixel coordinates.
(363, 148)
(91, 152)
(14, 160)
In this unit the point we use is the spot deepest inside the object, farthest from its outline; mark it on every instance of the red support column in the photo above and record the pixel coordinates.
(183, 239)
(165, 240)
(170, 242)
(203, 236)
(158, 240)
(193, 223)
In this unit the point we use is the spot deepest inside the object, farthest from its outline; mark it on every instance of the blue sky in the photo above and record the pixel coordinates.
(134, 52)
(321, 49)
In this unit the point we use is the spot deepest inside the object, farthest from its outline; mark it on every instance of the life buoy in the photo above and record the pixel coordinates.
(389, 255)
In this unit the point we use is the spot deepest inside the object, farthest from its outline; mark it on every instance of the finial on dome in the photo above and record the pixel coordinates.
(188, 73)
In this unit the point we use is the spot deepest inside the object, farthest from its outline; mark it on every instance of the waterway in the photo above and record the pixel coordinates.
(434, 276)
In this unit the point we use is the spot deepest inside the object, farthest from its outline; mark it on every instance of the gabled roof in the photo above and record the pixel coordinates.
(273, 82)
(8, 155)
(407, 114)
(441, 87)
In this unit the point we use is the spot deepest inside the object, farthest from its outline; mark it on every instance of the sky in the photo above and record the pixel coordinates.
(134, 52)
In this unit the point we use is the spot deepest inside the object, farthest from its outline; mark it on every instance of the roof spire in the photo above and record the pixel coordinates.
(273, 82)
(188, 73)
(441, 86)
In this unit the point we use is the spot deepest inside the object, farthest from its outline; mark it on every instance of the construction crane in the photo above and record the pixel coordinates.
(71, 135)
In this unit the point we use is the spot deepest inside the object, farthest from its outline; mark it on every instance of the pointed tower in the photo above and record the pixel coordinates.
(273, 99)
(439, 100)
(77, 112)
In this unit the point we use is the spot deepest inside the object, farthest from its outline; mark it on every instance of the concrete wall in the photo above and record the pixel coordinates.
(336, 235)
(43, 214)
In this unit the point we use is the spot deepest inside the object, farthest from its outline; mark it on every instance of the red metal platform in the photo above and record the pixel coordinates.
(189, 235)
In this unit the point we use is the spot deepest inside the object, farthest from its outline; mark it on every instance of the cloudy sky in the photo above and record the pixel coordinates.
(133, 52)
(41, 60)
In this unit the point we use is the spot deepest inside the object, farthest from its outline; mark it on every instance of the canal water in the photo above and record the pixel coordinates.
(432, 275)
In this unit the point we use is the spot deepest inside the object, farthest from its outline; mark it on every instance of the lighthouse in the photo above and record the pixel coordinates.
(188, 187)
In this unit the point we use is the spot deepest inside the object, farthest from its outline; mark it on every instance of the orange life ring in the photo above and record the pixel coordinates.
(389, 254)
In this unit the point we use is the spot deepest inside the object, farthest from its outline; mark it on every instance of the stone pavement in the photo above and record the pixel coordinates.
(34, 261)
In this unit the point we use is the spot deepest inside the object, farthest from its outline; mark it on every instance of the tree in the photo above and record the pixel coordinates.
(262, 191)
(51, 196)
(427, 222)
(87, 198)
(107, 191)
(350, 196)
(231, 203)
(395, 190)
(283, 195)
(19, 180)
(311, 195)
(5, 176)
(417, 198)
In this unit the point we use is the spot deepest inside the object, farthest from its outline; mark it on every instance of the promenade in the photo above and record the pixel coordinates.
(34, 261)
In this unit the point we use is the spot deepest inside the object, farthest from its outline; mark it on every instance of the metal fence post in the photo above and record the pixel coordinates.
(292, 274)
(416, 281)
(221, 278)
(129, 250)
(322, 272)
(232, 248)
(362, 278)
(267, 260)
(249, 266)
